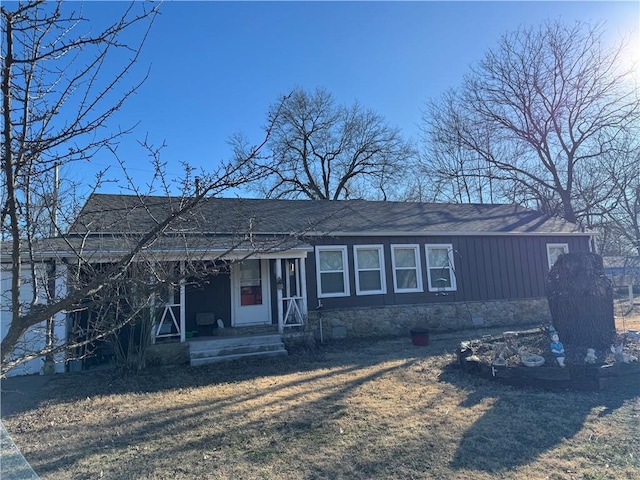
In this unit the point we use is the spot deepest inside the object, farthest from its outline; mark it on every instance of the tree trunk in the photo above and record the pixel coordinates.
(581, 300)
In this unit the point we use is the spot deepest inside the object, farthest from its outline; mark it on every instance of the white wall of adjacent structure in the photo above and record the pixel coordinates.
(35, 337)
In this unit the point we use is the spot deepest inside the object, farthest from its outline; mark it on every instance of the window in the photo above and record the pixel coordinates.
(370, 279)
(250, 283)
(554, 250)
(407, 276)
(440, 268)
(332, 274)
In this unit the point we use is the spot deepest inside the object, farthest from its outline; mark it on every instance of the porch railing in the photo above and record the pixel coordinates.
(170, 318)
(293, 316)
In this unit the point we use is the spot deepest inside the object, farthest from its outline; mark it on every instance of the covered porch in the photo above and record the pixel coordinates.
(258, 294)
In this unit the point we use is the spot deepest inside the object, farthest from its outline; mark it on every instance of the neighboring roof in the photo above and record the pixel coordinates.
(116, 214)
(621, 262)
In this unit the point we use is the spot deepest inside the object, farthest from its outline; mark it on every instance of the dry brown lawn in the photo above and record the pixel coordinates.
(361, 410)
(627, 318)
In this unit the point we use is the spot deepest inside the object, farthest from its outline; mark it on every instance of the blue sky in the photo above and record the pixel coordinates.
(216, 67)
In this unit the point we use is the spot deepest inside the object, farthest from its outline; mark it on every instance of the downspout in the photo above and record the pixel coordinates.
(593, 242)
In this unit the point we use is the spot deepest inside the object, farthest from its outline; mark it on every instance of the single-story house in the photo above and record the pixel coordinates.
(335, 268)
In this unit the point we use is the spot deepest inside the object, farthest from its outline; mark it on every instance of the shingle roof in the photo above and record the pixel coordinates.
(110, 225)
(112, 247)
(113, 214)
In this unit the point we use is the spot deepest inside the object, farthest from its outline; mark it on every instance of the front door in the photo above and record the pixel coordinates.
(250, 281)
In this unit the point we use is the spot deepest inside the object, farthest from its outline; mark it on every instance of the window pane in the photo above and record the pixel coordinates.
(405, 257)
(370, 280)
(368, 258)
(250, 283)
(554, 253)
(250, 270)
(332, 282)
(251, 296)
(330, 260)
(440, 277)
(438, 257)
(406, 279)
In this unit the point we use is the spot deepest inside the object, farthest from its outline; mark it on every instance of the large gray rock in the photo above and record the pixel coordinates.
(581, 300)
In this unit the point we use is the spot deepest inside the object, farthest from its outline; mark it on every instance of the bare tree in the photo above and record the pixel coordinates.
(536, 114)
(453, 171)
(621, 215)
(58, 98)
(321, 150)
(55, 98)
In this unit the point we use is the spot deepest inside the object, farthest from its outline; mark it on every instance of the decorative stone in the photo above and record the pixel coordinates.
(398, 319)
(478, 357)
(530, 360)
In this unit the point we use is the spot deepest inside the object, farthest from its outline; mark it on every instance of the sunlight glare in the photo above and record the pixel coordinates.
(630, 58)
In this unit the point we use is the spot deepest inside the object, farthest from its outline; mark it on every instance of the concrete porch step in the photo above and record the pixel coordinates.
(207, 351)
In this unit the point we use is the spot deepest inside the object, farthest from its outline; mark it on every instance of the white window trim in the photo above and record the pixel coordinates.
(564, 246)
(345, 271)
(383, 281)
(452, 267)
(416, 250)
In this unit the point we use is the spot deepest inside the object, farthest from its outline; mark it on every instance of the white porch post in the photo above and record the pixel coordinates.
(152, 313)
(303, 284)
(183, 303)
(61, 287)
(279, 287)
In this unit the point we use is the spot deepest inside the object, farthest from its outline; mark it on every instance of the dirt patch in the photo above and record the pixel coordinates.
(380, 409)
(628, 322)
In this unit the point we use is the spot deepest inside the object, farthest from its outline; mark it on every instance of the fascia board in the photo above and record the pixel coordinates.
(446, 234)
(172, 254)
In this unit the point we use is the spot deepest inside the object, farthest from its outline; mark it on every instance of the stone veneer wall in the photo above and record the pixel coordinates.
(398, 320)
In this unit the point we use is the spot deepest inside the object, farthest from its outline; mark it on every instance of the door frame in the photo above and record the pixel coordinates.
(266, 294)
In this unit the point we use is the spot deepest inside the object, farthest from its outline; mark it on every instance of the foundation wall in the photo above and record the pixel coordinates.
(398, 320)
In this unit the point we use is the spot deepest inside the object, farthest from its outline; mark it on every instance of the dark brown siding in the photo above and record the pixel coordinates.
(486, 268)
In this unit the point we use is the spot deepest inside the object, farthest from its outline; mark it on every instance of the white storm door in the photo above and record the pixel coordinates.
(251, 304)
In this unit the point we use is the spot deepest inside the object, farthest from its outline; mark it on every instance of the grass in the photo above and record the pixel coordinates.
(361, 410)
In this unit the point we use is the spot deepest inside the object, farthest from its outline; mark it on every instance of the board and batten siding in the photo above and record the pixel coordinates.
(486, 268)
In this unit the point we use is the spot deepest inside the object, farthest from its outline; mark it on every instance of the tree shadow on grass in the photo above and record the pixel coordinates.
(523, 423)
(173, 428)
(22, 394)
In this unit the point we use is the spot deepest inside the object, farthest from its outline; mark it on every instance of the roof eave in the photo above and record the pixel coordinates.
(175, 253)
(441, 233)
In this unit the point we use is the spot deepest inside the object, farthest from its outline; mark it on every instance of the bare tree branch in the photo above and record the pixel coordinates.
(321, 150)
(540, 111)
